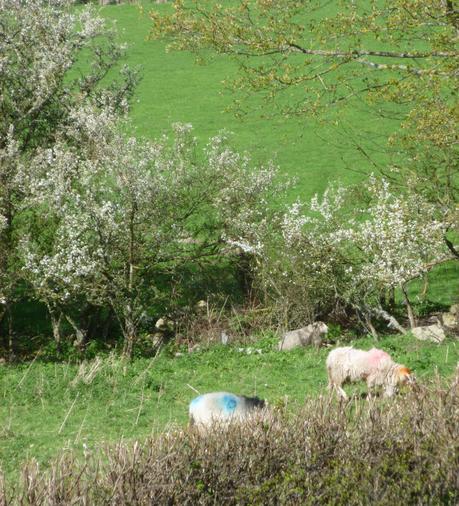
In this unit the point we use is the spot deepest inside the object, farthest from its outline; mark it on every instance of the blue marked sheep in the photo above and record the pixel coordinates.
(222, 407)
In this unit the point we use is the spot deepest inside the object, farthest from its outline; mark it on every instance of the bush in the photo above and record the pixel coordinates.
(379, 452)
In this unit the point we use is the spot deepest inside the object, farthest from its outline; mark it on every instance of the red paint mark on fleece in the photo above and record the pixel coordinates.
(375, 357)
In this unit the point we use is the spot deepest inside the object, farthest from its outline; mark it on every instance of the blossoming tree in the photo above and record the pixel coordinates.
(130, 213)
(43, 84)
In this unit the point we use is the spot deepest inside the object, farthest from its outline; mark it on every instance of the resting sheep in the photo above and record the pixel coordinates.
(310, 335)
(222, 407)
(375, 367)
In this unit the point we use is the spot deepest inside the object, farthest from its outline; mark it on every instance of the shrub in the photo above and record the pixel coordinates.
(346, 250)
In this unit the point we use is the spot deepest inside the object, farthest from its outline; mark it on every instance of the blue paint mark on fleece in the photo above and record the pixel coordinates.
(228, 403)
(196, 400)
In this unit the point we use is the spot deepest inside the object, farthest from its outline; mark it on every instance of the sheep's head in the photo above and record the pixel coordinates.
(255, 402)
(404, 375)
(321, 327)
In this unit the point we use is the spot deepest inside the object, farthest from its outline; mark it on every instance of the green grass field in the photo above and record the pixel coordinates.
(47, 407)
(176, 89)
(44, 408)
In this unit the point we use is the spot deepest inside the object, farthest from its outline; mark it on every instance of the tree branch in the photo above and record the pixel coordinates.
(358, 53)
(452, 248)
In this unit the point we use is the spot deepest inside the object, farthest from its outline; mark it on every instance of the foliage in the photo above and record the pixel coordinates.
(331, 256)
(401, 56)
(129, 213)
(377, 452)
(45, 88)
(92, 218)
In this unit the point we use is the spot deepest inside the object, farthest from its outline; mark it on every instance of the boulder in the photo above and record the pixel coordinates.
(449, 319)
(434, 333)
(306, 336)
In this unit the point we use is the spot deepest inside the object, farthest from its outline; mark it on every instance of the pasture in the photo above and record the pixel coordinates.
(48, 407)
(174, 88)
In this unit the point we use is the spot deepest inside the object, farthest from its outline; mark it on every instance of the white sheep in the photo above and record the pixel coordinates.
(376, 367)
(222, 407)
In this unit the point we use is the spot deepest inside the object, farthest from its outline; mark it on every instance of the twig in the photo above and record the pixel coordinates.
(194, 389)
(27, 371)
(141, 405)
(77, 437)
(68, 413)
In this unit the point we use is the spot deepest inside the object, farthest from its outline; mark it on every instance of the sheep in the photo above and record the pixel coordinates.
(222, 407)
(309, 335)
(376, 367)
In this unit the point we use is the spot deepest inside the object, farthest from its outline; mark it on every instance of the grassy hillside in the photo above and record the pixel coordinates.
(45, 407)
(174, 88)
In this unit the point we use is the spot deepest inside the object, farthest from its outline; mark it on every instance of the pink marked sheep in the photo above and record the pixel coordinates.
(375, 367)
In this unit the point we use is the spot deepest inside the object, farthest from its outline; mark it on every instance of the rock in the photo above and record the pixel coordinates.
(195, 347)
(310, 335)
(164, 324)
(449, 319)
(454, 309)
(201, 306)
(432, 333)
(224, 337)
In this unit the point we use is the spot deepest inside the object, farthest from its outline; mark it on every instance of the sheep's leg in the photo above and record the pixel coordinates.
(334, 386)
(341, 393)
(389, 391)
(370, 388)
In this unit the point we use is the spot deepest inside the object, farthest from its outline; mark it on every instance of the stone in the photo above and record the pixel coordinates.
(434, 333)
(454, 309)
(310, 335)
(224, 337)
(164, 324)
(449, 319)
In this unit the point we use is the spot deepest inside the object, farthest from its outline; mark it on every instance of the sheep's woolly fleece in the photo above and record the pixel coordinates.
(222, 407)
(376, 367)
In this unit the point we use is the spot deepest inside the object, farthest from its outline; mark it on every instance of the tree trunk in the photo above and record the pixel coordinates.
(128, 346)
(425, 287)
(10, 333)
(129, 330)
(56, 318)
(409, 307)
(371, 327)
(79, 334)
(391, 321)
(129, 333)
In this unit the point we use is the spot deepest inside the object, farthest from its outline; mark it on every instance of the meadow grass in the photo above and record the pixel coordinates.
(47, 407)
(176, 89)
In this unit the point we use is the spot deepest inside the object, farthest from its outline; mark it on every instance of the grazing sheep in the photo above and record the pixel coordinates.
(375, 367)
(309, 335)
(222, 407)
